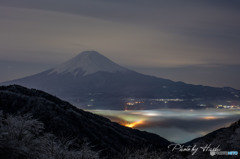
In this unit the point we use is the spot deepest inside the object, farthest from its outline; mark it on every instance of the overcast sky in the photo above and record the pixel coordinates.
(192, 41)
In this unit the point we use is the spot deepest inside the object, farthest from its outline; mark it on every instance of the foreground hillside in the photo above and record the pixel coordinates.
(227, 139)
(64, 120)
(59, 126)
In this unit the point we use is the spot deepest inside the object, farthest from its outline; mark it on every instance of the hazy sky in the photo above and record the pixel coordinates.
(192, 41)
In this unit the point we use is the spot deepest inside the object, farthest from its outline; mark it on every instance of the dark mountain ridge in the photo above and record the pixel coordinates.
(227, 139)
(63, 119)
(90, 75)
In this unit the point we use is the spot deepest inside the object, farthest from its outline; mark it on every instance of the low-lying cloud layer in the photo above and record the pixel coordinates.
(175, 125)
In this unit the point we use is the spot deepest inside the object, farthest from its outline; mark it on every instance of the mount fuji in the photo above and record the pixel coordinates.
(86, 63)
(91, 79)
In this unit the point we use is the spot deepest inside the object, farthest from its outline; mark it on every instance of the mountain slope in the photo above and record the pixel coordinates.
(227, 138)
(90, 75)
(63, 119)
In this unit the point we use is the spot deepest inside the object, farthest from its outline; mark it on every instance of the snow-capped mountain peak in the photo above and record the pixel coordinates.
(88, 62)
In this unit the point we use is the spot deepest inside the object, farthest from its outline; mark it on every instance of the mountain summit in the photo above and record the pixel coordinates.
(88, 62)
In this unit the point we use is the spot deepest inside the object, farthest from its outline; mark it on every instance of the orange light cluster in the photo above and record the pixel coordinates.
(209, 117)
(134, 124)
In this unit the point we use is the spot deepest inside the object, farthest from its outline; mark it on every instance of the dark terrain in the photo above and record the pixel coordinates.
(63, 119)
(110, 139)
(90, 75)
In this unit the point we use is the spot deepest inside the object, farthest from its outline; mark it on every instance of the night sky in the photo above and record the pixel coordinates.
(196, 42)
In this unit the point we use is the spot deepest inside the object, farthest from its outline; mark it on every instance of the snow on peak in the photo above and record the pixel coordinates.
(88, 62)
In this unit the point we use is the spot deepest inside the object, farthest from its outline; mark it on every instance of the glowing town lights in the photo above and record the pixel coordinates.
(209, 117)
(134, 103)
(151, 114)
(134, 124)
(228, 107)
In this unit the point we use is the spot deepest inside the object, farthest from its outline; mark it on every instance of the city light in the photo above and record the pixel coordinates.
(134, 124)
